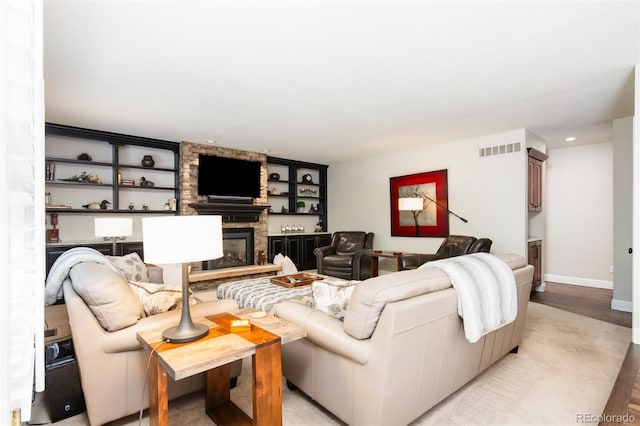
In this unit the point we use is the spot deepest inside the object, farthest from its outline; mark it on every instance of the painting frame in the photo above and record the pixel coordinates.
(433, 220)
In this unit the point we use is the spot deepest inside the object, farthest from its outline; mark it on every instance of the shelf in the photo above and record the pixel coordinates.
(159, 169)
(163, 188)
(101, 211)
(74, 183)
(72, 161)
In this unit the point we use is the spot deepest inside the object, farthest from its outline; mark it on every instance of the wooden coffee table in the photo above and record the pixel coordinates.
(213, 354)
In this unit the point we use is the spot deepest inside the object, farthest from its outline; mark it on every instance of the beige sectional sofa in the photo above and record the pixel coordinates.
(416, 354)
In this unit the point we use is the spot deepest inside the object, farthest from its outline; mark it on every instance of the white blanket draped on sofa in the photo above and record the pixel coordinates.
(486, 289)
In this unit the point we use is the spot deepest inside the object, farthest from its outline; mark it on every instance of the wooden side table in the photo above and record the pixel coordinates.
(213, 354)
(375, 255)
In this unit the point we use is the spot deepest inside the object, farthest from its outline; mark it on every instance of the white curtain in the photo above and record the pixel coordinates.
(21, 206)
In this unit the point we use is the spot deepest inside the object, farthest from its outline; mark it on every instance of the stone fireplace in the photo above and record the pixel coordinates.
(237, 249)
(236, 219)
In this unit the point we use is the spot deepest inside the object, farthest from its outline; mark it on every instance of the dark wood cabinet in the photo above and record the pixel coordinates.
(299, 248)
(54, 251)
(535, 160)
(535, 259)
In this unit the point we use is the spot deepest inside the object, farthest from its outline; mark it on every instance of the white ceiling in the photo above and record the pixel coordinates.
(330, 81)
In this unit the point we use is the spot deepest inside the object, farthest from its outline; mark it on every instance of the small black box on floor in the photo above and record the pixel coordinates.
(63, 389)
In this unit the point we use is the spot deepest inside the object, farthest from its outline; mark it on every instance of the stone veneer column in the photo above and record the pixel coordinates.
(189, 187)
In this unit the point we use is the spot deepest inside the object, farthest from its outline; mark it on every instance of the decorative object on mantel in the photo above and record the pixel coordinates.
(319, 226)
(97, 206)
(300, 205)
(147, 161)
(84, 157)
(262, 258)
(146, 183)
(274, 176)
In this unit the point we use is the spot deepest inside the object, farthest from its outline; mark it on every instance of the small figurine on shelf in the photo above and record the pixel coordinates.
(262, 258)
(53, 234)
(84, 157)
(319, 226)
(131, 206)
(147, 161)
(97, 206)
(145, 207)
(146, 183)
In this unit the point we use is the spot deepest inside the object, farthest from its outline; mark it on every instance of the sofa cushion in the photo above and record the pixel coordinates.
(107, 294)
(370, 296)
(157, 298)
(331, 296)
(132, 267)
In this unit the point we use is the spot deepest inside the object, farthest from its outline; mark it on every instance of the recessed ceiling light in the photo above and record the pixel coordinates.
(570, 139)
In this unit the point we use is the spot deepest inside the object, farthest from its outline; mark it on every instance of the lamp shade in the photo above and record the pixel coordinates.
(113, 226)
(180, 239)
(410, 204)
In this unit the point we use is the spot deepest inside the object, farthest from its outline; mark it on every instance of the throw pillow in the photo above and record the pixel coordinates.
(158, 298)
(107, 295)
(288, 267)
(132, 267)
(332, 296)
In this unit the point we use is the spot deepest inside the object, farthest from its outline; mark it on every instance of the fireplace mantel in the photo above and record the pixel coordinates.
(231, 212)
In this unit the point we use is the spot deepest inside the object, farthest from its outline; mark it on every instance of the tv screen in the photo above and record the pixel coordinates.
(228, 177)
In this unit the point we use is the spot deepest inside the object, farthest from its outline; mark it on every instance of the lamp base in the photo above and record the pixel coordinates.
(182, 334)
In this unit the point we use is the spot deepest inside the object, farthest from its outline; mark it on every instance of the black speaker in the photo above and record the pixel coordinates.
(64, 390)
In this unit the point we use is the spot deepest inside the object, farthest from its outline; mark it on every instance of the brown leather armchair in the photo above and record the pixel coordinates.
(348, 256)
(453, 245)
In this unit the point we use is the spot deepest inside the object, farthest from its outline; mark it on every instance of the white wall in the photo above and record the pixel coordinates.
(579, 215)
(490, 192)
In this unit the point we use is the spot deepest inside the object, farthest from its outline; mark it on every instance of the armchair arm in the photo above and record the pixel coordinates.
(413, 261)
(320, 253)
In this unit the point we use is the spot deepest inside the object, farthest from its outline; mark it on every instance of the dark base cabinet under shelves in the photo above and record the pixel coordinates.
(299, 248)
(53, 252)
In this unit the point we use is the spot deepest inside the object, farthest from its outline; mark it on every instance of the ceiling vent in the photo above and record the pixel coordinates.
(500, 149)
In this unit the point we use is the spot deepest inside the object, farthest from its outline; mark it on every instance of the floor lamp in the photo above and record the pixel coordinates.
(114, 229)
(182, 239)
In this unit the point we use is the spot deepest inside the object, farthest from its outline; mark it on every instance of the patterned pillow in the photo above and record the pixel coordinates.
(132, 267)
(332, 296)
(158, 298)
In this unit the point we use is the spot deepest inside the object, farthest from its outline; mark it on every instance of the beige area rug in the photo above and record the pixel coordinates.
(566, 366)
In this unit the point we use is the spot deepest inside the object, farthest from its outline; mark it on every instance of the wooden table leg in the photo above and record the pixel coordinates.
(158, 397)
(267, 385)
(374, 266)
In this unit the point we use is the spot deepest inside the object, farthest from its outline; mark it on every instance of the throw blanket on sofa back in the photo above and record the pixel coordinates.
(486, 289)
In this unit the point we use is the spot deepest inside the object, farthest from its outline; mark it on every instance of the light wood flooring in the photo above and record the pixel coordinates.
(623, 406)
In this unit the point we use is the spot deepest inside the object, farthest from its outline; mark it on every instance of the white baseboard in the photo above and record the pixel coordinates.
(585, 282)
(622, 305)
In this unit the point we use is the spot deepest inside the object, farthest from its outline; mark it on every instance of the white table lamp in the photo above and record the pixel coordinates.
(113, 228)
(182, 239)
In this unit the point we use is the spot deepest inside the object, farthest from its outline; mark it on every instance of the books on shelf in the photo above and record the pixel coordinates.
(57, 206)
(127, 182)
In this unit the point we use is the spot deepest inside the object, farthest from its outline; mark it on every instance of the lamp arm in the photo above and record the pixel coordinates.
(449, 211)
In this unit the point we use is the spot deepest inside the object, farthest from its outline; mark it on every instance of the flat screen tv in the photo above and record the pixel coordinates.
(228, 177)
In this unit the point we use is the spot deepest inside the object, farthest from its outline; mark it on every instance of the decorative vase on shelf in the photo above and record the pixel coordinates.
(147, 161)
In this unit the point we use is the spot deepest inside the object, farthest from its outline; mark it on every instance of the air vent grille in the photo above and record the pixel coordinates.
(500, 149)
